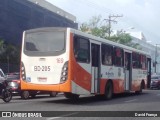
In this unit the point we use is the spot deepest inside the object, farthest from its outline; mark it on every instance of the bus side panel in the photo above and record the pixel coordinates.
(118, 86)
(116, 75)
(137, 77)
(81, 78)
(65, 87)
(103, 85)
(145, 78)
(135, 85)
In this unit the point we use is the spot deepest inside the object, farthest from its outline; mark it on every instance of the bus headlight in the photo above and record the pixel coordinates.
(64, 73)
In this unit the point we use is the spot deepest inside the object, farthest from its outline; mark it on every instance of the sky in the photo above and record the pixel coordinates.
(142, 15)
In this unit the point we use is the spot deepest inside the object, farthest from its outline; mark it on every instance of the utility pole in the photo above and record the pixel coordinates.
(112, 20)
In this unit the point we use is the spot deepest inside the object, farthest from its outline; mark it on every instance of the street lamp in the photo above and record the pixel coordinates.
(156, 58)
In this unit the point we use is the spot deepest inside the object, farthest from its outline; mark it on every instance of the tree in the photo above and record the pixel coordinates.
(1, 45)
(13, 53)
(9, 51)
(2, 50)
(126, 39)
(96, 28)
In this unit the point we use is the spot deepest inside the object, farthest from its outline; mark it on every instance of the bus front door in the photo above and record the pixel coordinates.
(128, 71)
(95, 68)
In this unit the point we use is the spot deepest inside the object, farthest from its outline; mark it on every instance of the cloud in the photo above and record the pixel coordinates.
(124, 2)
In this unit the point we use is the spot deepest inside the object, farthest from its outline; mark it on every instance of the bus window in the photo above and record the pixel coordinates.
(81, 49)
(31, 46)
(118, 56)
(136, 60)
(45, 41)
(143, 62)
(126, 60)
(107, 52)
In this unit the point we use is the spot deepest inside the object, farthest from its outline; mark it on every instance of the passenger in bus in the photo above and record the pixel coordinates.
(108, 59)
(143, 65)
(81, 55)
(126, 62)
(135, 64)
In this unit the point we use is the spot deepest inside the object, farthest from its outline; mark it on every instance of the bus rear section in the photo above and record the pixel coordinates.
(44, 60)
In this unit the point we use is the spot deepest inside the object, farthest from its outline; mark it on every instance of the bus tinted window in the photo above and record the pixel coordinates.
(136, 60)
(81, 49)
(118, 56)
(45, 41)
(107, 52)
(143, 62)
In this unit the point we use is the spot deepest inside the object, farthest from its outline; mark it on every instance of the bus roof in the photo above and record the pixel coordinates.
(108, 41)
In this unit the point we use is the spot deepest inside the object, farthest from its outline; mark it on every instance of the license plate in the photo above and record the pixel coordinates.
(42, 68)
(42, 79)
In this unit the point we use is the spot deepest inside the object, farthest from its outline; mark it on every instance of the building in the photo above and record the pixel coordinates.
(20, 15)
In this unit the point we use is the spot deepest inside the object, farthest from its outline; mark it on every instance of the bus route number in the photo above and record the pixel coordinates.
(60, 60)
(42, 68)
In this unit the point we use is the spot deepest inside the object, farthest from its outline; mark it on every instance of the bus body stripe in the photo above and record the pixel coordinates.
(79, 75)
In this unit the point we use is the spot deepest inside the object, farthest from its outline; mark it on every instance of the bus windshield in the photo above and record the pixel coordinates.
(52, 41)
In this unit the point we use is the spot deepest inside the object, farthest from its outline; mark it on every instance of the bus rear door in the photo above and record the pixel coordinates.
(95, 67)
(128, 70)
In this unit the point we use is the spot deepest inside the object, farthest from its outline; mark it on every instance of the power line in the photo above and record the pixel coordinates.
(112, 20)
(95, 5)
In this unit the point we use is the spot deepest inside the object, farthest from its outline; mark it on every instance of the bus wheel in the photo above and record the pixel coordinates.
(71, 96)
(140, 89)
(67, 95)
(53, 94)
(108, 91)
(33, 95)
(25, 95)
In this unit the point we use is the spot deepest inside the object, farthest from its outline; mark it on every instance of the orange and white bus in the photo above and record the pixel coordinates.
(76, 63)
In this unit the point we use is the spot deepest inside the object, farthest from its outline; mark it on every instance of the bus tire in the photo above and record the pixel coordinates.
(53, 94)
(71, 96)
(140, 89)
(25, 95)
(33, 95)
(67, 95)
(108, 91)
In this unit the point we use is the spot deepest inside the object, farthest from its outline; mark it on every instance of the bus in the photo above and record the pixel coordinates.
(76, 63)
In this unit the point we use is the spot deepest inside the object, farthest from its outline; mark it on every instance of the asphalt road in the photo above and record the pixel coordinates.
(149, 100)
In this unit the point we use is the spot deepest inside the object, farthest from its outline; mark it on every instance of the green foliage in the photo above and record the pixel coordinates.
(1, 45)
(9, 52)
(121, 38)
(96, 28)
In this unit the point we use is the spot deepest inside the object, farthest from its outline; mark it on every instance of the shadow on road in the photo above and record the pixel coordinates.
(117, 98)
(89, 100)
